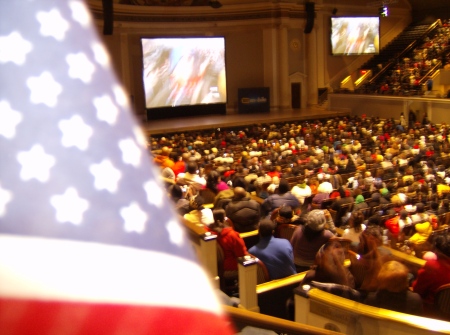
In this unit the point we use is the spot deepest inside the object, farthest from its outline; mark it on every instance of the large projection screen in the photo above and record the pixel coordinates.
(187, 71)
(355, 36)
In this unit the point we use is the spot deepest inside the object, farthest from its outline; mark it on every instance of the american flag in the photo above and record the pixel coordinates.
(89, 243)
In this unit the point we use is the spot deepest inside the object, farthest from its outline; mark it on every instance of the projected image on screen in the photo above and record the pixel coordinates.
(183, 71)
(355, 35)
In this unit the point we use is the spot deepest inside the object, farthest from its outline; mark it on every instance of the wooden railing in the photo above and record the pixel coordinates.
(319, 308)
(242, 317)
(205, 246)
(249, 289)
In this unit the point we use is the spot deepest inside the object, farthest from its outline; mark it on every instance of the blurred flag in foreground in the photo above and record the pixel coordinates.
(88, 244)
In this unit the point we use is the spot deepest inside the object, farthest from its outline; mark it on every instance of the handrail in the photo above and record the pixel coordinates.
(430, 72)
(347, 305)
(405, 51)
(249, 234)
(246, 317)
(194, 228)
(278, 283)
(401, 256)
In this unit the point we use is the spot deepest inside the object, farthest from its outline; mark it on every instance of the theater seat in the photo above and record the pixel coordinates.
(442, 301)
(228, 279)
(262, 275)
(285, 231)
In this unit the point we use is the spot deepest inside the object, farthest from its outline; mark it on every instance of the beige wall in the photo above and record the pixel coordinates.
(260, 39)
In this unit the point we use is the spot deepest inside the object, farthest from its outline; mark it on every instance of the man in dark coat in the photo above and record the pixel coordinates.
(243, 211)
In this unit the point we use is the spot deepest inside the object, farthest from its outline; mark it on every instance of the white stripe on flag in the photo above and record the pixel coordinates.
(51, 269)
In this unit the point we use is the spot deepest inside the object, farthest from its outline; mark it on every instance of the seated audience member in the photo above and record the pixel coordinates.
(163, 159)
(434, 207)
(435, 272)
(356, 227)
(180, 163)
(215, 183)
(286, 215)
(404, 220)
(191, 177)
(275, 253)
(420, 215)
(374, 200)
(167, 176)
(344, 199)
(284, 197)
(199, 214)
(232, 244)
(320, 196)
(308, 239)
(181, 203)
(301, 190)
(371, 258)
(227, 195)
(423, 231)
(444, 207)
(329, 266)
(398, 204)
(243, 211)
(393, 290)
(359, 203)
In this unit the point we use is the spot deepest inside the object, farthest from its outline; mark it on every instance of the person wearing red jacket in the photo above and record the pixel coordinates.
(435, 273)
(232, 244)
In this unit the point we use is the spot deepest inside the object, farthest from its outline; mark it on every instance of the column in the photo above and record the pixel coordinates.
(208, 251)
(283, 64)
(271, 73)
(311, 67)
(247, 268)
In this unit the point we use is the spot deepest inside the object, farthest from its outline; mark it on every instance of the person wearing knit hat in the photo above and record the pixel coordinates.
(359, 203)
(307, 240)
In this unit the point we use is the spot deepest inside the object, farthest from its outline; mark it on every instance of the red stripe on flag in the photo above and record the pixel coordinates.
(23, 317)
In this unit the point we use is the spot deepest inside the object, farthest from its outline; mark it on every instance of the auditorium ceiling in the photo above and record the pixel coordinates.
(416, 5)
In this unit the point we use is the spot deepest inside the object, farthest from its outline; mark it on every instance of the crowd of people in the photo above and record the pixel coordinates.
(366, 180)
(408, 73)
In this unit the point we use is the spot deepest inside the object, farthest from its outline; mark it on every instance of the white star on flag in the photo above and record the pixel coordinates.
(80, 13)
(69, 206)
(106, 176)
(100, 54)
(5, 197)
(44, 89)
(9, 119)
(131, 154)
(35, 163)
(75, 132)
(154, 193)
(53, 24)
(134, 218)
(14, 48)
(79, 189)
(120, 96)
(140, 137)
(106, 109)
(175, 233)
(80, 67)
